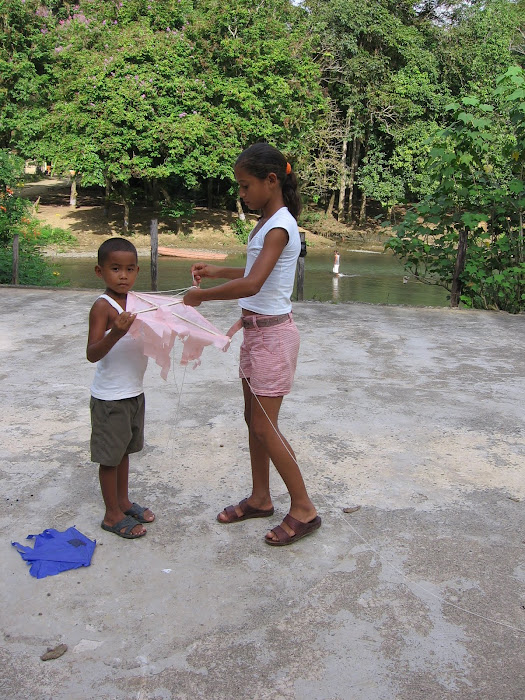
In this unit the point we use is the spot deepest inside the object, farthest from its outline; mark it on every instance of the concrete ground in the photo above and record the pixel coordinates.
(414, 415)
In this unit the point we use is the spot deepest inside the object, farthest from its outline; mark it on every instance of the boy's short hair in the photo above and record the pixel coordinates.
(113, 245)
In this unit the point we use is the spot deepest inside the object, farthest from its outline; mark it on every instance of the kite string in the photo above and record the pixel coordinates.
(177, 408)
(405, 580)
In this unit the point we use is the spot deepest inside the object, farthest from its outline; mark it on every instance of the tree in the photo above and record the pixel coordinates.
(379, 68)
(168, 95)
(25, 56)
(467, 235)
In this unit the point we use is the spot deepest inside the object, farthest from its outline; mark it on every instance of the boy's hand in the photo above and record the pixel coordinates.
(123, 322)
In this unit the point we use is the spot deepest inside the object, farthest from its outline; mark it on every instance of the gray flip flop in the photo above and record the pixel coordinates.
(137, 512)
(127, 524)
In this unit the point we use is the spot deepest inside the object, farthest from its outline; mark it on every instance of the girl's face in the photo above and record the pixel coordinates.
(254, 192)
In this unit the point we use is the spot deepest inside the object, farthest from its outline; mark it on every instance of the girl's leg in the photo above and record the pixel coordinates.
(260, 463)
(269, 440)
(259, 458)
(109, 477)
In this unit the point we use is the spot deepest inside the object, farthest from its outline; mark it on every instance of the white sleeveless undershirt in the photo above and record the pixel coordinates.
(275, 295)
(120, 373)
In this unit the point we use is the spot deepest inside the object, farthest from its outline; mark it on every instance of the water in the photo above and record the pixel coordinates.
(376, 278)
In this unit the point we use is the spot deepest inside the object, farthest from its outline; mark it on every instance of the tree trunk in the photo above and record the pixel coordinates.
(240, 212)
(362, 212)
(210, 193)
(126, 216)
(461, 256)
(16, 258)
(330, 207)
(73, 192)
(353, 168)
(166, 195)
(107, 199)
(342, 186)
(154, 240)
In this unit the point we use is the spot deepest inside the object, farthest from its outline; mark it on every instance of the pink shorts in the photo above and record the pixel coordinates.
(268, 357)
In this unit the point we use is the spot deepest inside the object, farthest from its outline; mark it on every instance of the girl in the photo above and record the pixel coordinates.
(271, 341)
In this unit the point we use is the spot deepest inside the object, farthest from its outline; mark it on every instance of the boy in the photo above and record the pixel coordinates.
(117, 398)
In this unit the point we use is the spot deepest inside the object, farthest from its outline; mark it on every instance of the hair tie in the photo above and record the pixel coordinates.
(288, 168)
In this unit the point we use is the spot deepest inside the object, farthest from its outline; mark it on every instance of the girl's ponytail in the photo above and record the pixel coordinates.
(291, 194)
(260, 160)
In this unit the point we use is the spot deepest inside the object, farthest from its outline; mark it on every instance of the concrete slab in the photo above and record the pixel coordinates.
(415, 415)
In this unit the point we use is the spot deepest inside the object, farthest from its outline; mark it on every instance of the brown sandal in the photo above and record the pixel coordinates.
(300, 529)
(248, 511)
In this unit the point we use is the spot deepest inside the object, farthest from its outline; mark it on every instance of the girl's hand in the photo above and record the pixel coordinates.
(200, 270)
(192, 297)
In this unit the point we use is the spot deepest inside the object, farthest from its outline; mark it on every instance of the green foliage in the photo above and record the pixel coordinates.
(33, 268)
(12, 207)
(164, 94)
(179, 209)
(50, 235)
(242, 230)
(170, 92)
(478, 197)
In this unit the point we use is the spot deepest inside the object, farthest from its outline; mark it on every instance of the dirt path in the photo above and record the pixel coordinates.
(208, 229)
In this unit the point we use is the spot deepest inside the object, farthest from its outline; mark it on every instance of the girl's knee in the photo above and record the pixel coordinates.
(262, 430)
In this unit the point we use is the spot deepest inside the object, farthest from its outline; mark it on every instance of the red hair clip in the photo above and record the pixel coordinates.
(288, 168)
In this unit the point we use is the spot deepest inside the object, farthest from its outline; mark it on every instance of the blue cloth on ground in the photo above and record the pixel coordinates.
(56, 551)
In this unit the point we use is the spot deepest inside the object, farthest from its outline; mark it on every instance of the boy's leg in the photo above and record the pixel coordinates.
(263, 425)
(108, 485)
(122, 490)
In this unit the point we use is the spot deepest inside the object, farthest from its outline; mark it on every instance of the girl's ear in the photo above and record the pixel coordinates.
(272, 178)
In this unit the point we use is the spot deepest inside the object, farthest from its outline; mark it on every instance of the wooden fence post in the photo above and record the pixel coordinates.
(16, 257)
(154, 233)
(300, 268)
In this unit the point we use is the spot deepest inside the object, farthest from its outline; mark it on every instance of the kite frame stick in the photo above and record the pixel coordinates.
(173, 303)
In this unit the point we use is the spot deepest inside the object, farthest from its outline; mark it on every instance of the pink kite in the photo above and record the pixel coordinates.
(160, 319)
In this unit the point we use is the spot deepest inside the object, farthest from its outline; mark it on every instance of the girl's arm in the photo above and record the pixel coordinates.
(99, 344)
(238, 286)
(200, 270)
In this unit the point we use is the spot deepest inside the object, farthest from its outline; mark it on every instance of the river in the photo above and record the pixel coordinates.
(375, 278)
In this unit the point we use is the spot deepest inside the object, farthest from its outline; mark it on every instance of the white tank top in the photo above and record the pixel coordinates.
(275, 295)
(120, 373)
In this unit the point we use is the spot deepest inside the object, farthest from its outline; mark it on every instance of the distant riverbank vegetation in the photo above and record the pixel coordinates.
(409, 113)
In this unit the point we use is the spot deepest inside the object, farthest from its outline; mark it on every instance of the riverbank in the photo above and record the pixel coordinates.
(206, 229)
(410, 419)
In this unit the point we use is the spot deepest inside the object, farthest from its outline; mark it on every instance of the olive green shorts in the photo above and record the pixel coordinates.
(117, 429)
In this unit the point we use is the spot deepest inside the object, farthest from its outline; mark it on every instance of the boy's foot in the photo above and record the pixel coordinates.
(243, 511)
(141, 514)
(291, 530)
(128, 527)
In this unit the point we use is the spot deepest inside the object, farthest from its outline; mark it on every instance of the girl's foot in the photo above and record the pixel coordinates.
(244, 511)
(291, 530)
(299, 518)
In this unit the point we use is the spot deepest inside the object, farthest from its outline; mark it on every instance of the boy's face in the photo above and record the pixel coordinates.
(119, 271)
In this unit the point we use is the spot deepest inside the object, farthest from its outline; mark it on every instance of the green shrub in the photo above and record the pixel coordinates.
(33, 268)
(242, 230)
(49, 235)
